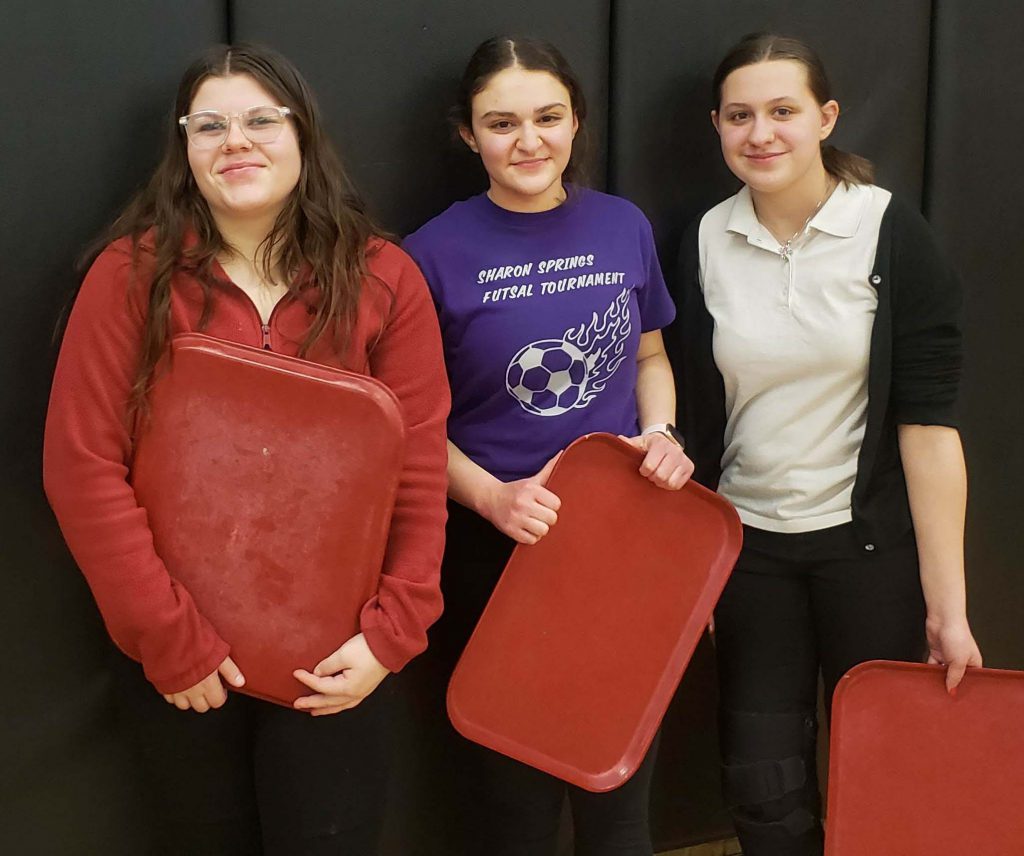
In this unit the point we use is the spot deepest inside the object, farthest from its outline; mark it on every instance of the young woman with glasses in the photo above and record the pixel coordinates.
(820, 350)
(551, 302)
(248, 231)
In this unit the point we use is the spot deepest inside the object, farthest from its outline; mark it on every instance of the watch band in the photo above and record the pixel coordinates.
(669, 430)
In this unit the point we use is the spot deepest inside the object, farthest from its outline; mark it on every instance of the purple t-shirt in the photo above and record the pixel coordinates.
(541, 316)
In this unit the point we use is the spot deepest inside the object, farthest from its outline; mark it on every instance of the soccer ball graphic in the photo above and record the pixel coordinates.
(548, 377)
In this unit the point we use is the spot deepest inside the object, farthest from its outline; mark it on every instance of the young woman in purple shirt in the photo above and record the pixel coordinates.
(551, 302)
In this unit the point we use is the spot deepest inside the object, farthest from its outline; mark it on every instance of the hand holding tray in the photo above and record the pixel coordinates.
(583, 642)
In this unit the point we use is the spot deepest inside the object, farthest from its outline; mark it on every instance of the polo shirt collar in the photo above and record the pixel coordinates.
(742, 218)
(839, 216)
(842, 212)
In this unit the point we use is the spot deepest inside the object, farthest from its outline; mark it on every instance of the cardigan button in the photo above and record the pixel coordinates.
(875, 279)
(869, 547)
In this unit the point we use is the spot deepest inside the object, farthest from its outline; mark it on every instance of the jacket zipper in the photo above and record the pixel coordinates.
(264, 328)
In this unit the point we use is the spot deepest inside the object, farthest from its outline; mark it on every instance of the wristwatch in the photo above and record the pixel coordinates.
(669, 430)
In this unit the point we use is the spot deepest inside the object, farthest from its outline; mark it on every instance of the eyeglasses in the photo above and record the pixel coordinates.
(208, 129)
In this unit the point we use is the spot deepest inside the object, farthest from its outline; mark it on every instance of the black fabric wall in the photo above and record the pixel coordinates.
(84, 89)
(973, 199)
(929, 90)
(384, 73)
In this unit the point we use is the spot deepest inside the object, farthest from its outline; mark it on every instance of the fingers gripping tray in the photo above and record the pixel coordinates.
(583, 642)
(916, 772)
(269, 484)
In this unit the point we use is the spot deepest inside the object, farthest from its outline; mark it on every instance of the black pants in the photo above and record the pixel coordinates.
(257, 778)
(796, 605)
(516, 809)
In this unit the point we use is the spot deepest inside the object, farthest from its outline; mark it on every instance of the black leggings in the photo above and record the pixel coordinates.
(517, 808)
(797, 604)
(257, 778)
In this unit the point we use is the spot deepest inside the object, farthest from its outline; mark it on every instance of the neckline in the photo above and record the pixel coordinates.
(531, 219)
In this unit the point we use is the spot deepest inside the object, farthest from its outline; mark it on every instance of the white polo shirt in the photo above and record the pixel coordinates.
(791, 341)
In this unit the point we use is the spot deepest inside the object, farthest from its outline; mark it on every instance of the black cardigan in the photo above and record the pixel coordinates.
(913, 373)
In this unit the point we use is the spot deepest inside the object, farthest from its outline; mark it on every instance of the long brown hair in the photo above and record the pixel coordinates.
(764, 47)
(500, 52)
(323, 230)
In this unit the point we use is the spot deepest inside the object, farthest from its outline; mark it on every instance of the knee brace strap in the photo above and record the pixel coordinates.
(796, 823)
(762, 781)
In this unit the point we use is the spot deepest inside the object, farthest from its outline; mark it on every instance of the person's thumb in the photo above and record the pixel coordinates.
(954, 674)
(545, 473)
(639, 442)
(231, 672)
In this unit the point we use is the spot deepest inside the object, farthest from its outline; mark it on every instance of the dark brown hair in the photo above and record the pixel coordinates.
(764, 47)
(501, 52)
(323, 229)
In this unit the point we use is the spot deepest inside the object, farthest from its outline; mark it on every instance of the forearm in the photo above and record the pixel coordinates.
(408, 359)
(655, 388)
(86, 449)
(933, 462)
(469, 484)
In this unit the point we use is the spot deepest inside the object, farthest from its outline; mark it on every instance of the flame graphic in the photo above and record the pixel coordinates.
(604, 343)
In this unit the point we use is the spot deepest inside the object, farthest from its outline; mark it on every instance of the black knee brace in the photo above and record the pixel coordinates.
(770, 783)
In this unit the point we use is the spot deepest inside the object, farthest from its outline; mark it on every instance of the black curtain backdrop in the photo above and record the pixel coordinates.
(929, 90)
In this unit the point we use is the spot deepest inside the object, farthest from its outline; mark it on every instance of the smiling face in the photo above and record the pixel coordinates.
(241, 179)
(523, 127)
(771, 127)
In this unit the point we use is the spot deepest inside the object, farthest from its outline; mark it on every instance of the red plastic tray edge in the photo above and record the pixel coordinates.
(847, 684)
(619, 772)
(300, 369)
(681, 656)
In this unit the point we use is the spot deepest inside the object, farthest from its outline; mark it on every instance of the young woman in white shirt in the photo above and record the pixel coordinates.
(818, 356)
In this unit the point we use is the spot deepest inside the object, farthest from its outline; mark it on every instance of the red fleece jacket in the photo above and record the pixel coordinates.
(88, 444)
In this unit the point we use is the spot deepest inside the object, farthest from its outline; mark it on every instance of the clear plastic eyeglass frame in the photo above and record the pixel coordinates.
(209, 140)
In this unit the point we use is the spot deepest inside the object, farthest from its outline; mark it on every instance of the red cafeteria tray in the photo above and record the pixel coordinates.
(269, 483)
(916, 772)
(584, 640)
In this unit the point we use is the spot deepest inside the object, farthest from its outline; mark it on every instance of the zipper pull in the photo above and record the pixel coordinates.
(266, 336)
